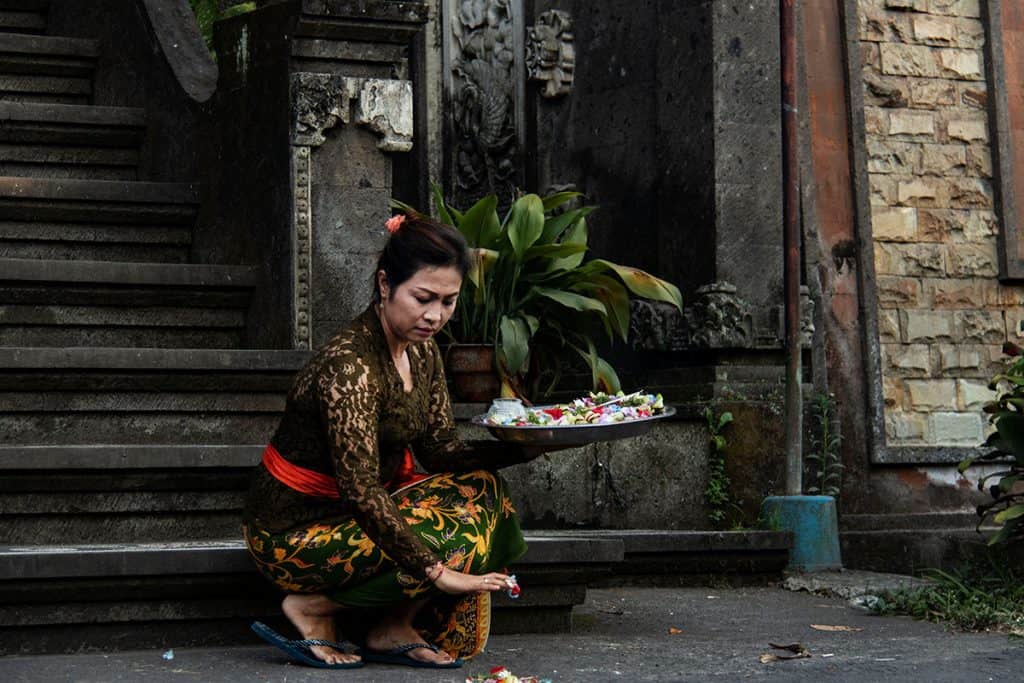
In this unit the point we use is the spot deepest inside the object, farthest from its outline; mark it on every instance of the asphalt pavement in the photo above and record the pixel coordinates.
(625, 634)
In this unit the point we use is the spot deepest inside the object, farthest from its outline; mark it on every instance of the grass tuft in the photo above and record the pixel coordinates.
(979, 597)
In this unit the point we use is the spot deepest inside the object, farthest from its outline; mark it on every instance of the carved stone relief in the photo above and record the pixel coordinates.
(551, 54)
(301, 248)
(717, 319)
(323, 101)
(320, 102)
(806, 317)
(484, 82)
(656, 326)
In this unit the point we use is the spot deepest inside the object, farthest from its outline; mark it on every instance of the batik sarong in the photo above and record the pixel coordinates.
(467, 519)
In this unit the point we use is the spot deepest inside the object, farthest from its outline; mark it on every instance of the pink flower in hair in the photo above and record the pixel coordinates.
(394, 223)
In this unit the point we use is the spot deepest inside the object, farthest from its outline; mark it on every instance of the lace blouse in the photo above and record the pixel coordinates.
(348, 415)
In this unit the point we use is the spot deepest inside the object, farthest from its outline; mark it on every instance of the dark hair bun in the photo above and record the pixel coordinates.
(420, 242)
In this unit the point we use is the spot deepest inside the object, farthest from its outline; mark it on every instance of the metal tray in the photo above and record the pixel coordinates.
(571, 435)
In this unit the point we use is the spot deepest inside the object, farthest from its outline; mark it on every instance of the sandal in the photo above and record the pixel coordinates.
(400, 657)
(299, 650)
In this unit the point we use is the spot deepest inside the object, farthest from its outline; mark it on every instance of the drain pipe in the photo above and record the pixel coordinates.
(791, 247)
(812, 520)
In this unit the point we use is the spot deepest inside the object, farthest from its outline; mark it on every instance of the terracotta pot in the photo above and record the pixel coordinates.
(471, 369)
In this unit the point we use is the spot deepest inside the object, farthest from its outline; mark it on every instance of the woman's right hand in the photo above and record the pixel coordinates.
(453, 582)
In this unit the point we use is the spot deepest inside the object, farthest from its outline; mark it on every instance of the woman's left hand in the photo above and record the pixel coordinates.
(453, 582)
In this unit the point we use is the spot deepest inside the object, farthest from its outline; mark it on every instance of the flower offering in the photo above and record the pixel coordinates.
(500, 674)
(597, 408)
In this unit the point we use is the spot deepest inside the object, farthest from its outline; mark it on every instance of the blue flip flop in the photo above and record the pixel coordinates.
(299, 650)
(400, 657)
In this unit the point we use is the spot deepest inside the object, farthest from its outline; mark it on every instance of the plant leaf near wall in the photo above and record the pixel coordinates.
(1006, 444)
(209, 12)
(531, 294)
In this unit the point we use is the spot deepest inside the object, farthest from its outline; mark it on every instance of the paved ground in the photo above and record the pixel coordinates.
(624, 635)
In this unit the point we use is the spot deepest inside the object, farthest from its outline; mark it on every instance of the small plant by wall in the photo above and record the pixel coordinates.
(717, 493)
(1006, 444)
(823, 466)
(210, 11)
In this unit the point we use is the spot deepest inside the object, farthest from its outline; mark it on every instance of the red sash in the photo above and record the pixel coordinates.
(314, 483)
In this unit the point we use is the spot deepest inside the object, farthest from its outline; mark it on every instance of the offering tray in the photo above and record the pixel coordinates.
(571, 435)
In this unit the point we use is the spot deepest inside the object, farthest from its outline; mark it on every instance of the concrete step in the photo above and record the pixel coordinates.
(47, 55)
(99, 201)
(70, 141)
(45, 218)
(209, 591)
(123, 493)
(670, 557)
(97, 303)
(46, 69)
(22, 21)
(83, 396)
(23, 16)
(95, 241)
(909, 551)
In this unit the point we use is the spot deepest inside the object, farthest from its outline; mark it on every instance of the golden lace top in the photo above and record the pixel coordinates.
(348, 415)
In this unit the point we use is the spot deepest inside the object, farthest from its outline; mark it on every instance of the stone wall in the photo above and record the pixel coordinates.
(942, 313)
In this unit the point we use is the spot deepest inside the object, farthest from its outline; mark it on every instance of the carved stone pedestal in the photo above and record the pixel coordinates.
(314, 99)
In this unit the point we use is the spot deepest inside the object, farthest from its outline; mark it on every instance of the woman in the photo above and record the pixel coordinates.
(335, 515)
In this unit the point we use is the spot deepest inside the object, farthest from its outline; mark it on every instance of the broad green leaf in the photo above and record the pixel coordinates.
(553, 201)
(1011, 432)
(1001, 536)
(604, 375)
(1006, 483)
(525, 223)
(554, 250)
(576, 234)
(614, 297)
(576, 302)
(1012, 512)
(532, 321)
(514, 341)
(482, 261)
(642, 283)
(442, 209)
(405, 208)
(555, 226)
(480, 225)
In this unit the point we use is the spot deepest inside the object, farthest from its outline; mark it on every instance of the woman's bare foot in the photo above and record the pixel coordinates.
(396, 629)
(313, 616)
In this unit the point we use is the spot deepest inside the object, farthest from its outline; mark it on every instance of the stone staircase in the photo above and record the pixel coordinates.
(132, 409)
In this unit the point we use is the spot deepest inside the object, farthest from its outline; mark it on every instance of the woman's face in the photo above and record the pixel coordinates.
(419, 307)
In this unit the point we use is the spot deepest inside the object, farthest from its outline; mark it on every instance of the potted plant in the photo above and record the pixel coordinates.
(531, 297)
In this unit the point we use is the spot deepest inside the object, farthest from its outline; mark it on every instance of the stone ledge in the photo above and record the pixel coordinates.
(13, 188)
(127, 273)
(909, 521)
(48, 45)
(121, 457)
(87, 114)
(230, 556)
(184, 360)
(907, 551)
(673, 541)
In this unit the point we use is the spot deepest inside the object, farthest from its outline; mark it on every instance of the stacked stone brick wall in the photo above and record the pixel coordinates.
(942, 313)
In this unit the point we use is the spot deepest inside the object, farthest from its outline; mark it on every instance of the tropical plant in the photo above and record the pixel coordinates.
(717, 492)
(210, 11)
(530, 293)
(1006, 414)
(826, 468)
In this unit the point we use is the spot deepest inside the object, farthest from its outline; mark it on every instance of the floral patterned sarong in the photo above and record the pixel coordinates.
(467, 519)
